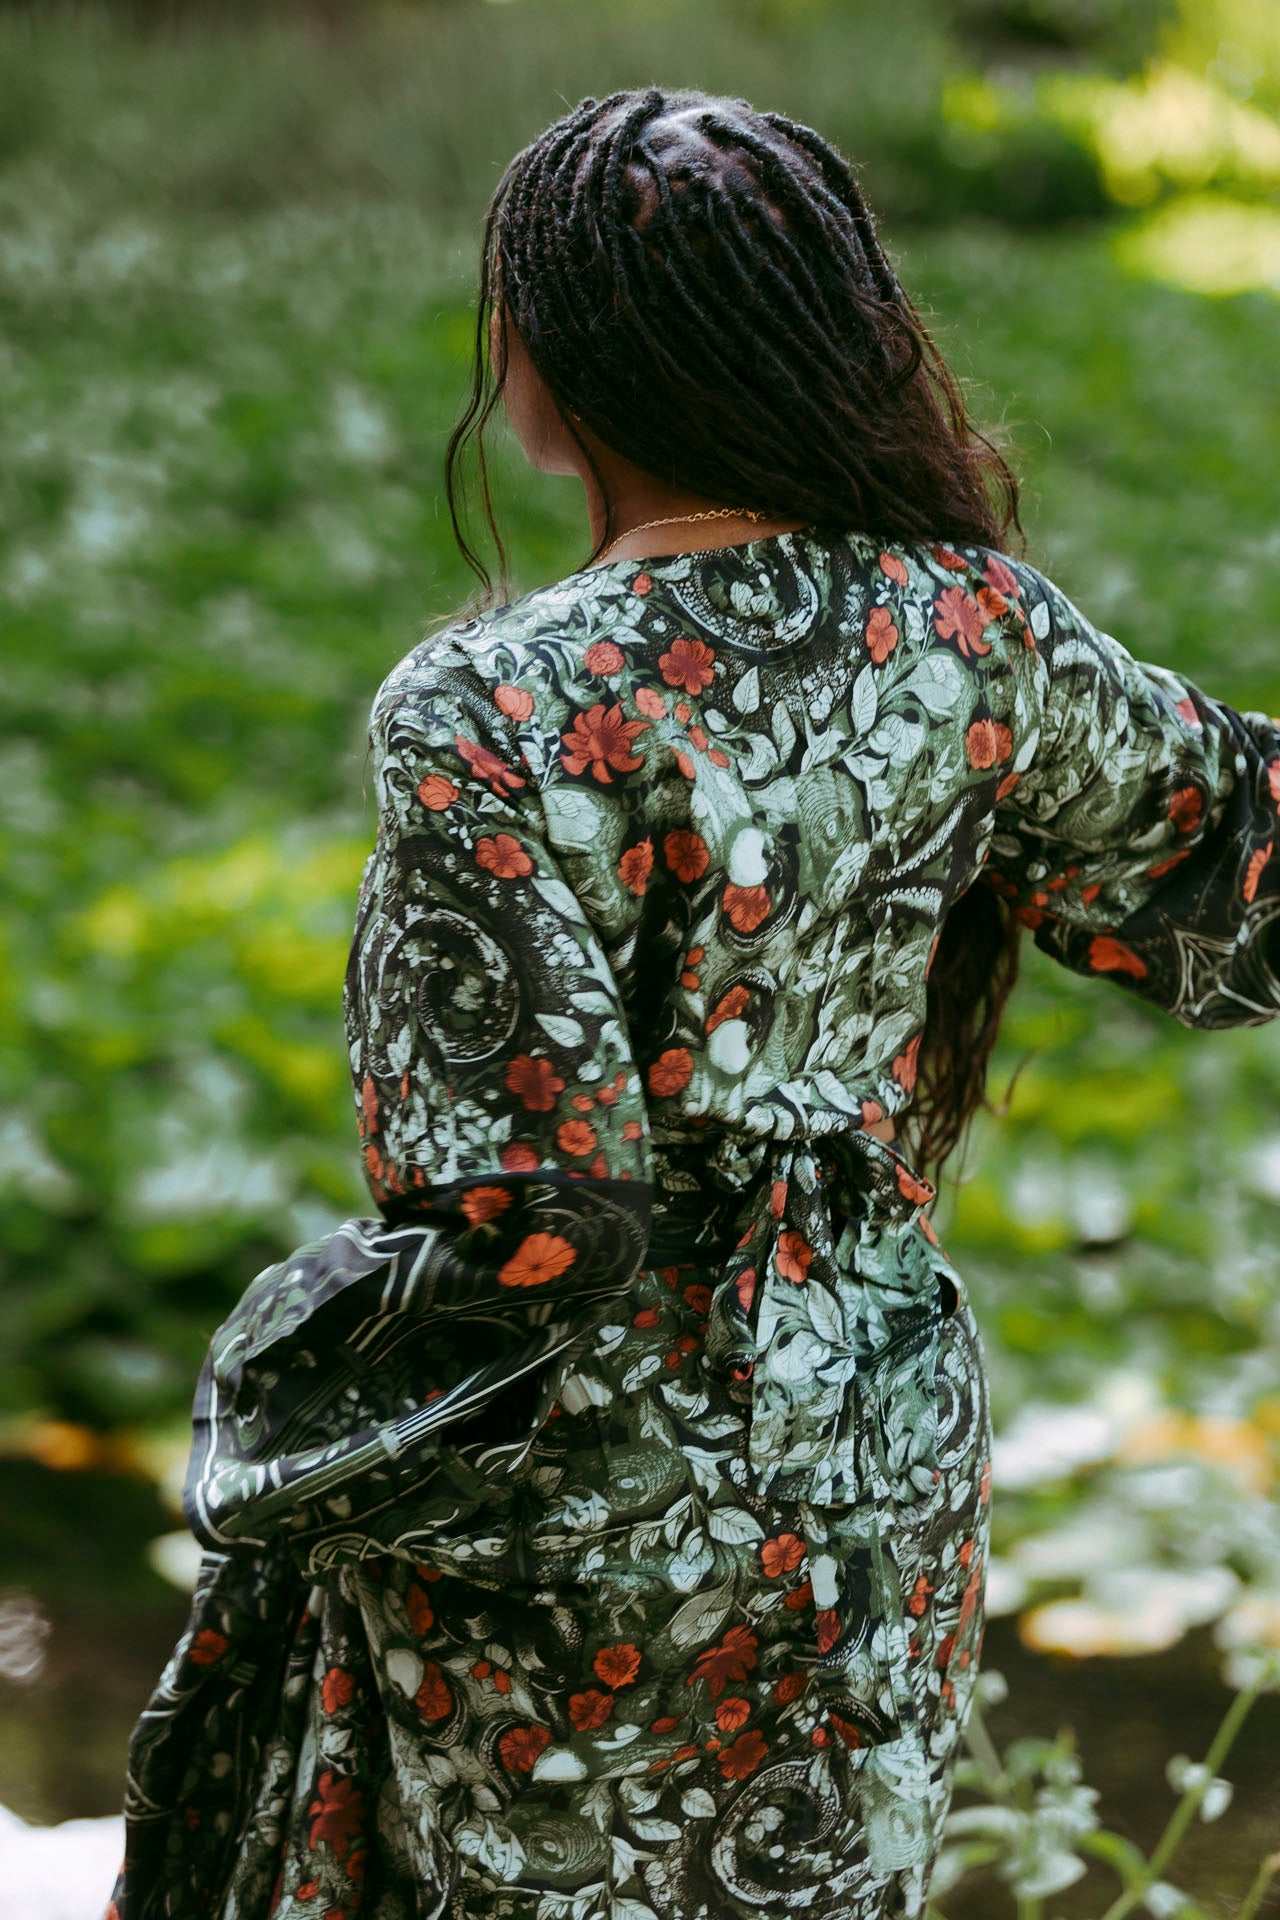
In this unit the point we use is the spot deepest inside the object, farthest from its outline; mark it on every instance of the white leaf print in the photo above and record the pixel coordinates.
(1040, 619)
(557, 896)
(825, 1315)
(746, 695)
(784, 732)
(560, 1028)
(656, 1829)
(686, 1569)
(863, 701)
(697, 1803)
(899, 739)
(629, 1909)
(937, 683)
(557, 1763)
(635, 1797)
(698, 1620)
(733, 1527)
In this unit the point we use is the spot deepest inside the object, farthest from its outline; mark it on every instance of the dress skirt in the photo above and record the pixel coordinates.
(644, 1692)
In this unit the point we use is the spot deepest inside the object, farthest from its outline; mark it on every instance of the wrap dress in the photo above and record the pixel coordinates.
(599, 1527)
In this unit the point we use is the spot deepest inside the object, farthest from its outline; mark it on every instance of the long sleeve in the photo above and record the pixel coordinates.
(384, 1382)
(1136, 832)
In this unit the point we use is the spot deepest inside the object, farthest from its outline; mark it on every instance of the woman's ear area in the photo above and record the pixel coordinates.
(531, 408)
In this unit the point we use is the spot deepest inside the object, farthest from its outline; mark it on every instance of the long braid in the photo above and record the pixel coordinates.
(703, 286)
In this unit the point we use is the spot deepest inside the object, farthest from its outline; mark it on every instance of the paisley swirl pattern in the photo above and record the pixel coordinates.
(600, 1530)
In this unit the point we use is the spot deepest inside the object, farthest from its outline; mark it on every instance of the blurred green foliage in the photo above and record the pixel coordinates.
(235, 275)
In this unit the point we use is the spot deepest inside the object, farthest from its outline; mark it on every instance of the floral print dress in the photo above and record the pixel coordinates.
(600, 1529)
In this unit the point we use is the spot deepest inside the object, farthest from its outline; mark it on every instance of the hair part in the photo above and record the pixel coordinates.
(703, 286)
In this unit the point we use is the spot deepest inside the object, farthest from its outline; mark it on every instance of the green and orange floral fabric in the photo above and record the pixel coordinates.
(600, 1529)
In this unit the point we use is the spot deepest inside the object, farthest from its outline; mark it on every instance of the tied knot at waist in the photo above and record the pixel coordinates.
(825, 1311)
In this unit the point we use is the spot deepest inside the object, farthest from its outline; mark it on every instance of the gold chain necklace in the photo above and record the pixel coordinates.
(683, 519)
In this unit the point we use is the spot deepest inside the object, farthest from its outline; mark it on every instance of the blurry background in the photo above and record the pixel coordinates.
(236, 266)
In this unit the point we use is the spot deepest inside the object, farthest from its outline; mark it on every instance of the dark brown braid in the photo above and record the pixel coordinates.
(702, 285)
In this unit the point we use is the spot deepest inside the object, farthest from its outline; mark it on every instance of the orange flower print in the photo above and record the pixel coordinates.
(208, 1647)
(799, 1597)
(540, 1257)
(1002, 578)
(369, 1105)
(744, 1756)
(728, 1008)
(686, 854)
(685, 763)
(991, 603)
(905, 1064)
(337, 1689)
(1257, 861)
(732, 1658)
(913, 1188)
(1184, 808)
(745, 1288)
(1166, 866)
(434, 1698)
(1112, 956)
(919, 1596)
(846, 1729)
(794, 1256)
(690, 664)
(576, 1137)
(534, 1081)
(666, 1723)
(617, 1666)
(946, 558)
(882, 635)
(789, 1688)
(641, 583)
(518, 1159)
(746, 906)
(418, 1608)
(635, 866)
(484, 1203)
(600, 739)
(515, 702)
(782, 1554)
(503, 857)
(651, 702)
(336, 1814)
(827, 1623)
(894, 569)
(488, 767)
(603, 658)
(981, 745)
(1007, 785)
(590, 1709)
(437, 793)
(671, 1072)
(519, 1747)
(958, 616)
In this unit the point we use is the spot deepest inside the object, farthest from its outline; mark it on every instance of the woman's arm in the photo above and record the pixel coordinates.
(1139, 837)
(386, 1381)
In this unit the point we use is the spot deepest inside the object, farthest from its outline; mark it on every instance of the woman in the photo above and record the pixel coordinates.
(601, 1529)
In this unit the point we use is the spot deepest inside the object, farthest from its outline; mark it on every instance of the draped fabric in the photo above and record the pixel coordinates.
(600, 1527)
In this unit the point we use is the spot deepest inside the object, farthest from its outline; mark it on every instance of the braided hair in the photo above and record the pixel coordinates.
(701, 284)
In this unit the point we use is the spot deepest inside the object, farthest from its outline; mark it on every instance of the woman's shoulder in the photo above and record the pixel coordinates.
(484, 654)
